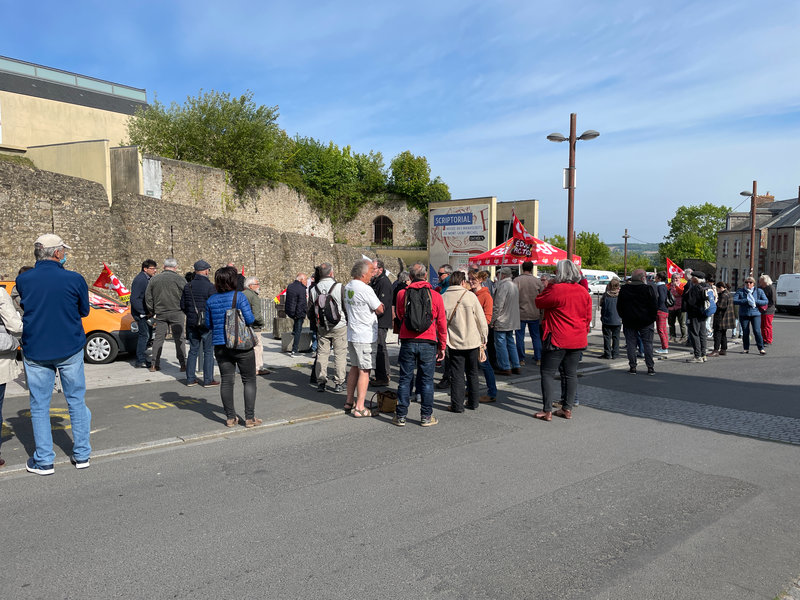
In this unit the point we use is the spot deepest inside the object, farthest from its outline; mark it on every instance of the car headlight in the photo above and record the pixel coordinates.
(134, 327)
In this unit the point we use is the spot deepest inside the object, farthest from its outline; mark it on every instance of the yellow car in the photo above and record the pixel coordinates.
(110, 328)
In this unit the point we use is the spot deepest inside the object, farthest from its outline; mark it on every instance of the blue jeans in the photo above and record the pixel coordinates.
(197, 339)
(419, 356)
(488, 374)
(141, 341)
(755, 323)
(296, 331)
(41, 378)
(536, 338)
(505, 349)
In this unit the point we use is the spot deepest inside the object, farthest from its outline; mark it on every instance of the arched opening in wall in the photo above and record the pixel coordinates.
(382, 231)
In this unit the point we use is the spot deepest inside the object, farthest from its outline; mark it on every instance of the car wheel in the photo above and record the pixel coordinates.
(100, 348)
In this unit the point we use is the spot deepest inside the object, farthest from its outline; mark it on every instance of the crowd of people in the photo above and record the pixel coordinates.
(470, 325)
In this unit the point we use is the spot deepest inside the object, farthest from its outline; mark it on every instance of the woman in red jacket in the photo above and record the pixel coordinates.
(566, 321)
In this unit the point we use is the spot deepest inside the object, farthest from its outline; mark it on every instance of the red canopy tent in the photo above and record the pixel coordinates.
(541, 253)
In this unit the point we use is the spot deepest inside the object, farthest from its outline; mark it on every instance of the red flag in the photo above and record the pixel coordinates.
(108, 280)
(277, 299)
(673, 269)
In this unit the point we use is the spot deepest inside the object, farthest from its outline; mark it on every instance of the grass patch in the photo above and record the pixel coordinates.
(17, 160)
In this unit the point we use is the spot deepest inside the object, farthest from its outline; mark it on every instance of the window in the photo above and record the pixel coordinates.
(785, 242)
(747, 249)
(382, 231)
(735, 279)
(737, 246)
(725, 248)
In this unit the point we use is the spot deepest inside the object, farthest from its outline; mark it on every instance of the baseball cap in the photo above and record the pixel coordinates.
(201, 265)
(51, 240)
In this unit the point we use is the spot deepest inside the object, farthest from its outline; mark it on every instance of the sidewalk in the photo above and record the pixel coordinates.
(131, 407)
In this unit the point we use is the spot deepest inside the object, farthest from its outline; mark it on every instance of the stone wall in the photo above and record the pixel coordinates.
(409, 227)
(137, 227)
(208, 190)
(33, 202)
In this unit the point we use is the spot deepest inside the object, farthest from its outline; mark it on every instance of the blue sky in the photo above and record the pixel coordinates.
(693, 100)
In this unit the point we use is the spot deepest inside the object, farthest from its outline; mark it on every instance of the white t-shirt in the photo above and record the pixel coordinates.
(360, 302)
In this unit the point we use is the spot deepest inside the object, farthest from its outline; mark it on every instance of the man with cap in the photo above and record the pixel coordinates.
(163, 299)
(193, 303)
(55, 300)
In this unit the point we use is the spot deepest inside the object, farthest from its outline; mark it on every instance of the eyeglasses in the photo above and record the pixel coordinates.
(442, 274)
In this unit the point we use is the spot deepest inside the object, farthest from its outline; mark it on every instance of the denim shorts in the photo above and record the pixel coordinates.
(362, 355)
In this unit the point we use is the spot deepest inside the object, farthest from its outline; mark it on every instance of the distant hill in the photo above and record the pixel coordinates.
(634, 248)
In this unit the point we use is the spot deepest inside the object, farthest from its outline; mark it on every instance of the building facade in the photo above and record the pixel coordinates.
(777, 237)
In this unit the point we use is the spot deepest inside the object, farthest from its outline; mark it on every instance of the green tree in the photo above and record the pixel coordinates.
(410, 176)
(217, 130)
(693, 233)
(594, 253)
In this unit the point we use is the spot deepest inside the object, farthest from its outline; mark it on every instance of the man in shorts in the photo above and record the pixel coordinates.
(363, 307)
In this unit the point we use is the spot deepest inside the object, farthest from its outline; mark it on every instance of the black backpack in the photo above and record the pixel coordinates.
(326, 310)
(670, 299)
(418, 309)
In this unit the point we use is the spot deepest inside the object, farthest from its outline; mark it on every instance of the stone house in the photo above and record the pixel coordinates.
(777, 240)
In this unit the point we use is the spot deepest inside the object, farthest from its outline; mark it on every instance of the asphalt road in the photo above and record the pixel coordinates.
(657, 488)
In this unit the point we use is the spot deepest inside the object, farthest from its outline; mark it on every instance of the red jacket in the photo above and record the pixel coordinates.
(437, 332)
(567, 314)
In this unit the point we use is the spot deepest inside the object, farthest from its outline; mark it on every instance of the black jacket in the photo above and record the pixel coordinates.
(296, 304)
(383, 290)
(138, 288)
(637, 304)
(196, 292)
(694, 300)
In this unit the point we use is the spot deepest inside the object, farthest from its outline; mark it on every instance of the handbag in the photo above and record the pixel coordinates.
(386, 403)
(238, 335)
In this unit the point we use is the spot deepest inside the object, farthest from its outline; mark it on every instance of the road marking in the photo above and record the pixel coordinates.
(59, 413)
(148, 406)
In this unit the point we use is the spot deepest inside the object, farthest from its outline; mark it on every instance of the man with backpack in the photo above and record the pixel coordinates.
(699, 304)
(328, 310)
(423, 336)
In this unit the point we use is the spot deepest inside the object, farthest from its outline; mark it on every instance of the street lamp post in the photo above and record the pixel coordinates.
(589, 134)
(753, 196)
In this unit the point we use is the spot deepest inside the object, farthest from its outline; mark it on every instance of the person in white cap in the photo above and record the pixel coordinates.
(54, 301)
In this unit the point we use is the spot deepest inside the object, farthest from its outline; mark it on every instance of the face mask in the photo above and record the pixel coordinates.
(63, 259)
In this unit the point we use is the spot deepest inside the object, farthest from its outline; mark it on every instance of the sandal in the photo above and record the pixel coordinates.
(358, 414)
(348, 407)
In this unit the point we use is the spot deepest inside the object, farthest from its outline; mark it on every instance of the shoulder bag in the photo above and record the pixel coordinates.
(238, 335)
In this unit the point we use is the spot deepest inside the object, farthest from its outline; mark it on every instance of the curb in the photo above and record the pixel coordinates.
(189, 439)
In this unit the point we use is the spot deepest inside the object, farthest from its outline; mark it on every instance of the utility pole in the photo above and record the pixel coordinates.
(625, 255)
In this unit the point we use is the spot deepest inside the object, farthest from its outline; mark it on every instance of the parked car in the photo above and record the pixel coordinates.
(598, 280)
(787, 298)
(110, 328)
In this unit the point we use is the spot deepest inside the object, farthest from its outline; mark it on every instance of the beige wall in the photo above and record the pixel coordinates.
(87, 160)
(30, 121)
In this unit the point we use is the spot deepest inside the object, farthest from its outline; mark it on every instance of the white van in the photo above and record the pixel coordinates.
(598, 279)
(788, 296)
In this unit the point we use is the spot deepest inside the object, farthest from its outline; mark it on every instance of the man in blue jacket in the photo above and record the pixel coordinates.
(296, 307)
(54, 301)
(193, 303)
(139, 311)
